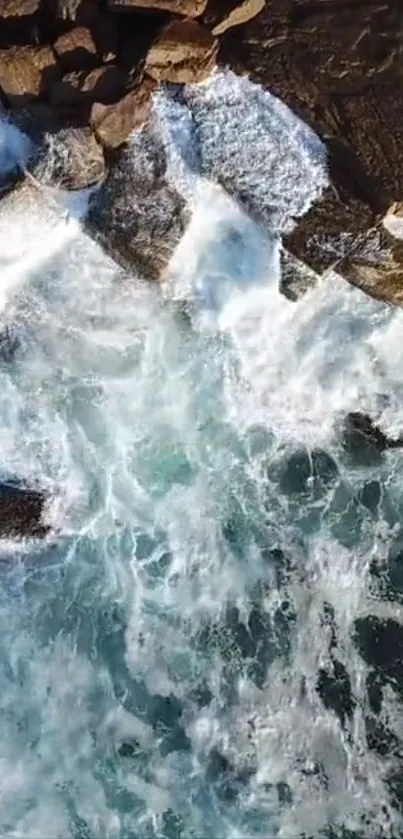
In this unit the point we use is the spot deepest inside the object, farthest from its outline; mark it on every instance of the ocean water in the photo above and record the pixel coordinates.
(180, 658)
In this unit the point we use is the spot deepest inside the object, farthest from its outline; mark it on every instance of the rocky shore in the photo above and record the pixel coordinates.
(78, 76)
(84, 71)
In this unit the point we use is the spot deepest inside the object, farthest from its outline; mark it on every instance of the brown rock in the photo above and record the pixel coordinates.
(375, 265)
(346, 211)
(26, 72)
(113, 124)
(76, 49)
(137, 216)
(70, 158)
(104, 84)
(187, 8)
(222, 16)
(184, 53)
(18, 8)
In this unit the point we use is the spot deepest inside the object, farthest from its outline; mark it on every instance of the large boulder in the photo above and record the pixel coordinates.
(26, 72)
(76, 49)
(18, 8)
(22, 511)
(137, 216)
(184, 53)
(375, 265)
(114, 123)
(187, 8)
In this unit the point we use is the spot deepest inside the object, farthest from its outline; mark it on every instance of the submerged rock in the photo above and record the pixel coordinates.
(364, 439)
(334, 687)
(380, 643)
(21, 511)
(137, 216)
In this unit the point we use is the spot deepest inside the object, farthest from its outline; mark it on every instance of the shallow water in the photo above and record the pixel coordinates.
(165, 659)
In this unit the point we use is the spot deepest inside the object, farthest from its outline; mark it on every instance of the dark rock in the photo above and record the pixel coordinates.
(184, 53)
(380, 642)
(76, 49)
(303, 466)
(113, 124)
(103, 84)
(337, 65)
(21, 511)
(363, 439)
(130, 748)
(18, 8)
(334, 688)
(26, 72)
(187, 8)
(228, 780)
(224, 15)
(137, 216)
(379, 738)
(370, 495)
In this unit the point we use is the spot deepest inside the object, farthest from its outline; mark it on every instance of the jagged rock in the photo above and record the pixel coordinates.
(184, 53)
(137, 216)
(104, 84)
(25, 72)
(76, 49)
(187, 8)
(18, 8)
(70, 158)
(113, 124)
(375, 265)
(21, 511)
(222, 16)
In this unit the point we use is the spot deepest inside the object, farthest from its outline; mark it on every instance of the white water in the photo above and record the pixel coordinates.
(163, 445)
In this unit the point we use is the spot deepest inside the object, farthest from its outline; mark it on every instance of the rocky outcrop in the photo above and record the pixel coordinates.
(338, 67)
(18, 8)
(184, 53)
(137, 216)
(21, 512)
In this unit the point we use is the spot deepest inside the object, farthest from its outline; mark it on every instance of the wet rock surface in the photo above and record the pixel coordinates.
(21, 511)
(184, 53)
(137, 215)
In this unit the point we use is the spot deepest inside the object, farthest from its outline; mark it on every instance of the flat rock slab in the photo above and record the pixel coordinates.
(137, 216)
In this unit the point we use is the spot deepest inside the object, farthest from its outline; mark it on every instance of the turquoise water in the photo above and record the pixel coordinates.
(164, 655)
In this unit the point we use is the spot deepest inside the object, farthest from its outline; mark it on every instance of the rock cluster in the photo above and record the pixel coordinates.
(96, 62)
